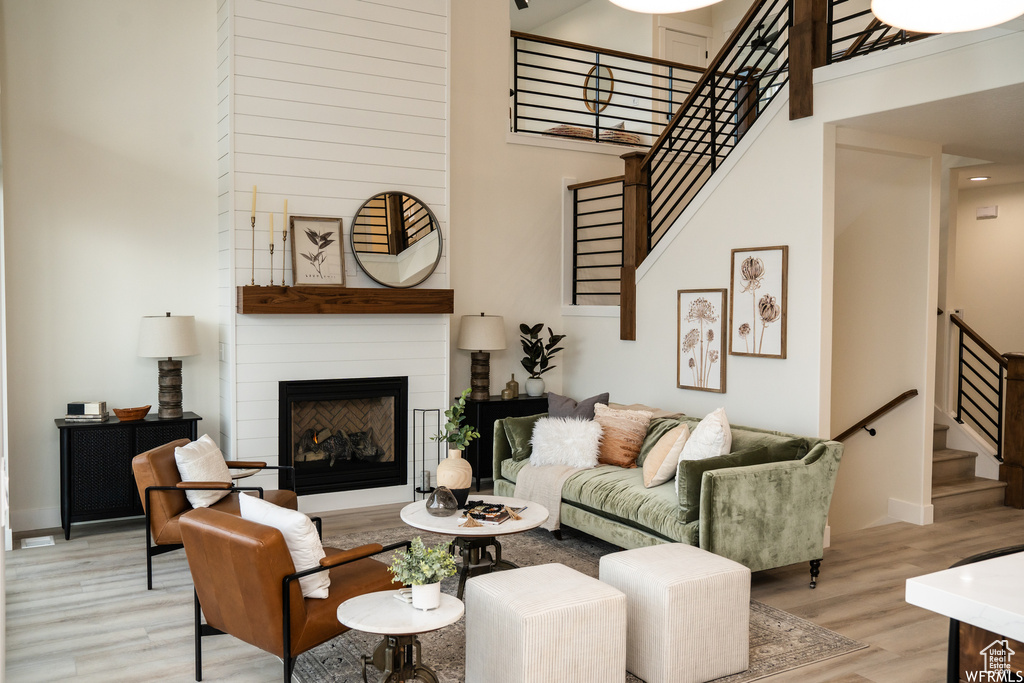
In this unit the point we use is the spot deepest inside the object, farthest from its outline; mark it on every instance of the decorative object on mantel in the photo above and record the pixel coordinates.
(343, 300)
(284, 245)
(481, 334)
(396, 239)
(317, 256)
(513, 387)
(763, 274)
(537, 360)
(130, 414)
(442, 503)
(423, 568)
(252, 220)
(700, 363)
(454, 472)
(272, 250)
(165, 337)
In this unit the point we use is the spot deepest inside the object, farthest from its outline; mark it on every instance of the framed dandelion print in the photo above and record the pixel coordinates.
(757, 316)
(317, 256)
(700, 361)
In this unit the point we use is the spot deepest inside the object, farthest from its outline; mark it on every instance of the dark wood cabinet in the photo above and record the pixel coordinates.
(482, 414)
(96, 480)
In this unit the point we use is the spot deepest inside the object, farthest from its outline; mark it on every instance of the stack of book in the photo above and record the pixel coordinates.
(87, 411)
(491, 514)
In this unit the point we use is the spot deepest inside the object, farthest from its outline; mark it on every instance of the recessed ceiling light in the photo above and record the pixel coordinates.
(980, 177)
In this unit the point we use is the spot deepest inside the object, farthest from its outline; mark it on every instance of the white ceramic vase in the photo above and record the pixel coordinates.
(426, 596)
(535, 386)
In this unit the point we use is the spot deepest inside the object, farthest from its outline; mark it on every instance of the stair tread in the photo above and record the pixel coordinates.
(941, 428)
(966, 486)
(943, 454)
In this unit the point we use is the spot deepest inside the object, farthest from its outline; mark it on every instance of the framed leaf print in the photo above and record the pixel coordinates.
(700, 361)
(757, 317)
(317, 255)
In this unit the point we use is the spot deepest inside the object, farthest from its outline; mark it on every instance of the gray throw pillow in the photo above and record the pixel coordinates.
(563, 406)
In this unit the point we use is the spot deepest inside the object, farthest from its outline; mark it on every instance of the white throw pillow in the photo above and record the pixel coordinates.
(710, 438)
(300, 536)
(663, 460)
(565, 441)
(201, 460)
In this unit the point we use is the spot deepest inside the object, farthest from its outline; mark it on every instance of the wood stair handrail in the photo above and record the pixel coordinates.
(595, 183)
(604, 51)
(905, 396)
(977, 339)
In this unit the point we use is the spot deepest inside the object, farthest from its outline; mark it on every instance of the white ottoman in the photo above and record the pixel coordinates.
(545, 623)
(689, 612)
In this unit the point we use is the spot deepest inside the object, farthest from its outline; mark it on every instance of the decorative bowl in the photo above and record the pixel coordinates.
(129, 414)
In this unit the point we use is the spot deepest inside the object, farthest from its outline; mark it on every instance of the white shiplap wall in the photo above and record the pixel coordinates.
(325, 103)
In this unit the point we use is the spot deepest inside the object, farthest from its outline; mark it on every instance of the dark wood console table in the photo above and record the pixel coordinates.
(482, 414)
(96, 479)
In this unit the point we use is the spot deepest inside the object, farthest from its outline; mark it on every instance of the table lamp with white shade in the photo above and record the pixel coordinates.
(166, 337)
(481, 334)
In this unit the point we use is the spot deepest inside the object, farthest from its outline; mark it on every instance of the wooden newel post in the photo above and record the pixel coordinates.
(1012, 469)
(635, 194)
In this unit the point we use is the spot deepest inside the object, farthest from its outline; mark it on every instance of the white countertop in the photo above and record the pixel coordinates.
(384, 614)
(416, 516)
(986, 594)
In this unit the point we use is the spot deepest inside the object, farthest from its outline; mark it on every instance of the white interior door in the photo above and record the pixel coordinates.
(686, 48)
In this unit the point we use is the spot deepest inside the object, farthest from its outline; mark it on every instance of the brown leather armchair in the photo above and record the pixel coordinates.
(163, 498)
(245, 584)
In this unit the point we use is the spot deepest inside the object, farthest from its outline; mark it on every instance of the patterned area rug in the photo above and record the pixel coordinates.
(779, 641)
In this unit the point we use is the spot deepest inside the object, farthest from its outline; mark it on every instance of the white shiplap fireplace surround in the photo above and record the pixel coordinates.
(325, 103)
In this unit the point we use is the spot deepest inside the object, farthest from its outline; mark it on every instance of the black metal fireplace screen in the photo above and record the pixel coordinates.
(343, 434)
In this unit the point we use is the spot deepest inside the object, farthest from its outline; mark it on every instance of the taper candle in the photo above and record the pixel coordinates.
(254, 202)
(285, 216)
(271, 230)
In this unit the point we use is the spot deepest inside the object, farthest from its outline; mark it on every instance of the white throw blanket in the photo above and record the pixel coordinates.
(543, 485)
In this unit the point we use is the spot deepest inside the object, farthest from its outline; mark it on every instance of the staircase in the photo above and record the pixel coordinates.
(955, 489)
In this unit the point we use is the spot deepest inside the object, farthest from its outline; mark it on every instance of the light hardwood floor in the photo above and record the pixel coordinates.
(79, 610)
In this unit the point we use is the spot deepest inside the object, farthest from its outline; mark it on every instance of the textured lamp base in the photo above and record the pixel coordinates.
(170, 389)
(480, 376)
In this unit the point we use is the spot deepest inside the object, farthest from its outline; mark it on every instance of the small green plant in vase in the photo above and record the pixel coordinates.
(423, 568)
(453, 472)
(537, 360)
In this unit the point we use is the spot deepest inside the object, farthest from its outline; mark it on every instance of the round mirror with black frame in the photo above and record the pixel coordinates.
(396, 239)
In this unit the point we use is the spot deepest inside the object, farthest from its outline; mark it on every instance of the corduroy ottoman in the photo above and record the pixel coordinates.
(542, 624)
(688, 612)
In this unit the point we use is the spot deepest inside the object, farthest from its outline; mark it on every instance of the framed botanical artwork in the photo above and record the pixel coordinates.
(317, 255)
(700, 361)
(757, 317)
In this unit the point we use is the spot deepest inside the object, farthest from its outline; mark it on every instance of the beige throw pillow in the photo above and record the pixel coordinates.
(663, 460)
(622, 434)
(712, 437)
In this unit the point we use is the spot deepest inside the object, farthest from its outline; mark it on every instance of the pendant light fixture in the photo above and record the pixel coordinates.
(662, 6)
(946, 16)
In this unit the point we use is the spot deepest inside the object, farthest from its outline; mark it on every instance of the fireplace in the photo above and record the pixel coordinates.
(343, 434)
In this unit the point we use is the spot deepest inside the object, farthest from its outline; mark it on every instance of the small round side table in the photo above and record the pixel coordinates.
(399, 623)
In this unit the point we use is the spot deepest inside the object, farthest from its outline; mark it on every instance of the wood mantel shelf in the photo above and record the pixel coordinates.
(254, 299)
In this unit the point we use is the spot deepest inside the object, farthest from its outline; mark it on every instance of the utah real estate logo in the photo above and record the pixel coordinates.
(998, 667)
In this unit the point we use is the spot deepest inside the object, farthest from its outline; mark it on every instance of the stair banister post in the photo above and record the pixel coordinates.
(635, 207)
(1012, 469)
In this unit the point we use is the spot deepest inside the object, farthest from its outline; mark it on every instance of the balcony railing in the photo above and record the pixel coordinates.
(580, 92)
(853, 31)
(597, 241)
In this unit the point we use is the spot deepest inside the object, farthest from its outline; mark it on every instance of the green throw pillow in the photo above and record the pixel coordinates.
(691, 472)
(659, 427)
(519, 431)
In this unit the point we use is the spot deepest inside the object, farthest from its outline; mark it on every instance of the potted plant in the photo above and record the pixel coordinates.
(453, 472)
(423, 568)
(537, 360)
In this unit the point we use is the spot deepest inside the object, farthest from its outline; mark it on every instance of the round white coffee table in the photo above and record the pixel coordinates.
(473, 542)
(399, 623)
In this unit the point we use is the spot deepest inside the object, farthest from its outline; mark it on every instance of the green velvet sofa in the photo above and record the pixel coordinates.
(764, 515)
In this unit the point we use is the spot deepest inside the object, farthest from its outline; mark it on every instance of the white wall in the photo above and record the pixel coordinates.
(603, 24)
(109, 130)
(325, 105)
(754, 201)
(883, 314)
(506, 201)
(987, 251)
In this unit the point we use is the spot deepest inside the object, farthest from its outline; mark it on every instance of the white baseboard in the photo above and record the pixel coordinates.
(903, 511)
(35, 518)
